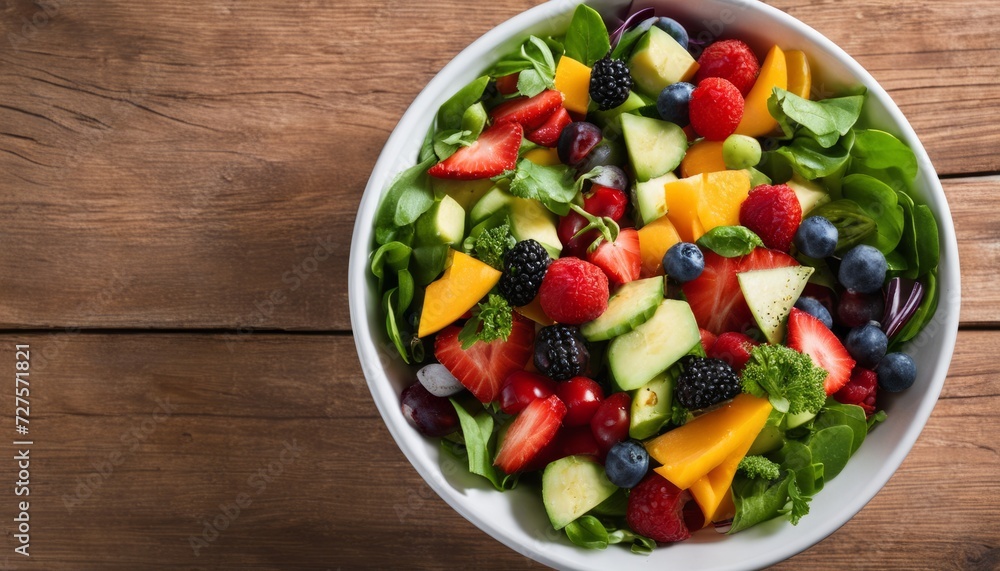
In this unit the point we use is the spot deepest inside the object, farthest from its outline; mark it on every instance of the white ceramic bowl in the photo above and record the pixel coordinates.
(517, 518)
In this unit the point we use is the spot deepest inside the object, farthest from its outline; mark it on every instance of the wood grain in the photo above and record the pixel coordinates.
(351, 500)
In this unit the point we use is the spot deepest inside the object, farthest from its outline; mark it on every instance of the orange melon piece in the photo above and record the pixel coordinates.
(655, 239)
(757, 120)
(465, 281)
(683, 197)
(721, 197)
(534, 312)
(543, 156)
(573, 80)
(799, 74)
(695, 449)
(711, 490)
(701, 157)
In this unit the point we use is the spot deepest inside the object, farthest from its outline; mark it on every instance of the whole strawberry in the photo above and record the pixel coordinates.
(716, 108)
(574, 291)
(772, 212)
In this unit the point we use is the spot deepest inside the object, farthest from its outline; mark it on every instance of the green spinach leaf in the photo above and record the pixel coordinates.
(450, 114)
(881, 203)
(832, 447)
(587, 37)
(730, 241)
(478, 433)
(883, 156)
(587, 532)
(409, 196)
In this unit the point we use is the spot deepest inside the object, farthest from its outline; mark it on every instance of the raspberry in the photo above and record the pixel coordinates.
(732, 60)
(773, 213)
(705, 382)
(574, 291)
(656, 510)
(610, 83)
(860, 390)
(733, 348)
(524, 268)
(716, 108)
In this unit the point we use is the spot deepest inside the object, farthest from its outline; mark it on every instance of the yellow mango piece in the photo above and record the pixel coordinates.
(695, 449)
(655, 239)
(573, 80)
(701, 157)
(683, 197)
(465, 281)
(799, 74)
(465, 192)
(757, 120)
(534, 312)
(721, 197)
(711, 490)
(542, 156)
(727, 508)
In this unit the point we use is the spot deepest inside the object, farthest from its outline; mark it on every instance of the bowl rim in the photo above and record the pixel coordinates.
(391, 161)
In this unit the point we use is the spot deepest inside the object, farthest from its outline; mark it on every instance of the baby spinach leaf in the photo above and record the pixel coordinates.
(392, 321)
(849, 415)
(587, 37)
(408, 197)
(428, 262)
(427, 148)
(824, 121)
(797, 457)
(478, 431)
(757, 501)
(534, 61)
(811, 160)
(587, 532)
(395, 255)
(730, 241)
(907, 247)
(832, 446)
(928, 241)
(450, 114)
(876, 418)
(553, 186)
(884, 157)
(615, 505)
(881, 203)
(853, 224)
(640, 545)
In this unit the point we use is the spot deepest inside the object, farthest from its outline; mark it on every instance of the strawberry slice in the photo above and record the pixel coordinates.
(530, 432)
(708, 339)
(548, 134)
(531, 112)
(715, 296)
(483, 367)
(493, 153)
(733, 348)
(620, 260)
(808, 335)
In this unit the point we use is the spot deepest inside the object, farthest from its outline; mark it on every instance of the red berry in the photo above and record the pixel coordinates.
(520, 388)
(732, 60)
(716, 108)
(707, 339)
(610, 421)
(808, 335)
(548, 134)
(656, 510)
(507, 85)
(733, 348)
(493, 153)
(772, 212)
(530, 433)
(574, 291)
(531, 112)
(621, 260)
(861, 390)
(605, 201)
(582, 397)
(483, 367)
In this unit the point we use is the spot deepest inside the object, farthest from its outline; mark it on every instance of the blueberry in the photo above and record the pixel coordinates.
(863, 269)
(896, 372)
(867, 344)
(626, 464)
(675, 29)
(673, 103)
(816, 309)
(816, 237)
(683, 262)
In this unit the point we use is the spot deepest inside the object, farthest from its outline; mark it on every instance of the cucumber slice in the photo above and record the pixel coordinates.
(654, 147)
(770, 294)
(651, 348)
(572, 486)
(630, 307)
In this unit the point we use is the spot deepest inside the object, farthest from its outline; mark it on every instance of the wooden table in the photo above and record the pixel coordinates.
(166, 166)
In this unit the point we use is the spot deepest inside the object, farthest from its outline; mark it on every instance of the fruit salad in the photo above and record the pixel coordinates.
(662, 283)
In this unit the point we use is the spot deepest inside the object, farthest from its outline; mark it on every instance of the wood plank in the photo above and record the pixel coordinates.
(350, 499)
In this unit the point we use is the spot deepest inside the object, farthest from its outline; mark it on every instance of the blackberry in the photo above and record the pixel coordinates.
(561, 352)
(610, 83)
(705, 382)
(524, 267)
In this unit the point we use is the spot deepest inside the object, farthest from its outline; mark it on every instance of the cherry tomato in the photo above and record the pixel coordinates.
(521, 388)
(582, 397)
(606, 201)
(610, 422)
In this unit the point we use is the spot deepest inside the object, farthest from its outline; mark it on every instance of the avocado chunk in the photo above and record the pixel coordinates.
(650, 198)
(528, 218)
(654, 147)
(651, 407)
(443, 223)
(651, 348)
(658, 61)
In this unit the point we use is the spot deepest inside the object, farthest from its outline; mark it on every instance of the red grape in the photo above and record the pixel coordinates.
(520, 388)
(431, 415)
(582, 397)
(610, 422)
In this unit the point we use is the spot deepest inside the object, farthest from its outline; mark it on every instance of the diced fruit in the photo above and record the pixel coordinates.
(705, 382)
(610, 421)
(521, 388)
(530, 431)
(582, 397)
(561, 352)
(530, 112)
(655, 239)
(548, 134)
(630, 306)
(654, 147)
(651, 407)
(757, 120)
(658, 60)
(568, 231)
(534, 312)
(863, 269)
(673, 103)
(683, 197)
(861, 390)
(773, 213)
(703, 156)
(573, 486)
(466, 280)
(620, 260)
(732, 60)
(715, 297)
(808, 335)
(733, 348)
(896, 372)
(576, 142)
(712, 489)
(626, 464)
(493, 153)
(809, 193)
(543, 157)
(722, 195)
(684, 262)
(656, 510)
(610, 120)
(443, 223)
(799, 73)
(672, 330)
(430, 415)
(465, 192)
(574, 291)
(674, 28)
(606, 201)
(691, 451)
(483, 367)
(716, 108)
(573, 80)
(741, 152)
(770, 294)
(529, 219)
(650, 198)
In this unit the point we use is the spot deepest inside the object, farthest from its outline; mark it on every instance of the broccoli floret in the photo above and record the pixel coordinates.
(788, 378)
(759, 467)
